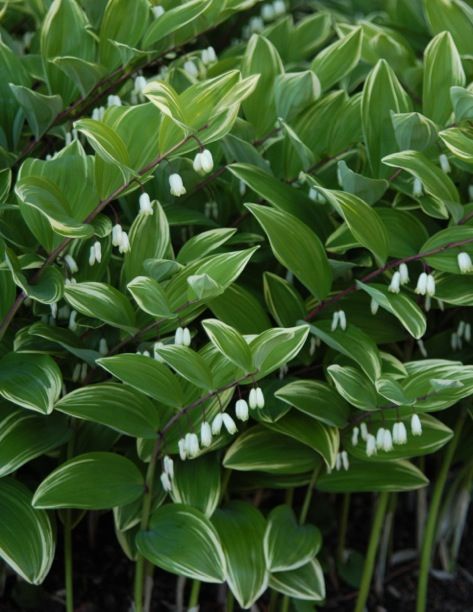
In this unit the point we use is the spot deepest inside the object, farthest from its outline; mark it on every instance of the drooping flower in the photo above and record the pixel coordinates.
(421, 287)
(370, 445)
(186, 337)
(157, 11)
(146, 208)
(345, 461)
(205, 434)
(444, 163)
(464, 263)
(191, 69)
(354, 436)
(124, 245)
(363, 431)
(209, 56)
(182, 449)
(203, 162)
(380, 438)
(241, 410)
(103, 346)
(116, 234)
(387, 441)
(176, 185)
(259, 398)
(71, 264)
(395, 284)
(430, 289)
(416, 425)
(404, 273)
(252, 399)
(399, 433)
(192, 444)
(168, 464)
(179, 336)
(229, 423)
(417, 188)
(166, 482)
(217, 424)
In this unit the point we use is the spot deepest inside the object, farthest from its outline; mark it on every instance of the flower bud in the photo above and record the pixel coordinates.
(157, 11)
(71, 264)
(421, 288)
(345, 461)
(103, 346)
(205, 434)
(464, 263)
(146, 207)
(168, 466)
(404, 273)
(395, 284)
(179, 336)
(191, 69)
(259, 398)
(116, 234)
(252, 399)
(444, 163)
(387, 441)
(416, 425)
(217, 424)
(354, 436)
(370, 445)
(166, 482)
(176, 185)
(229, 423)
(241, 410)
(186, 337)
(182, 449)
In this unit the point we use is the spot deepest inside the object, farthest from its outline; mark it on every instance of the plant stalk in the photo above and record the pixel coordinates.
(195, 592)
(342, 528)
(431, 525)
(371, 552)
(68, 574)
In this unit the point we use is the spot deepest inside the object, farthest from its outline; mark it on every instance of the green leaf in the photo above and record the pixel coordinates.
(115, 406)
(317, 400)
(366, 477)
(230, 343)
(66, 339)
(197, 483)
(363, 221)
(288, 545)
(352, 342)
(353, 386)
(258, 449)
(45, 197)
(367, 189)
(282, 299)
(275, 347)
(183, 541)
(460, 142)
(435, 182)
(446, 261)
(164, 97)
(29, 380)
(462, 102)
(297, 247)
(382, 94)
(261, 58)
(400, 305)
(239, 308)
(188, 364)
(48, 289)
(224, 269)
(338, 59)
(84, 74)
(173, 19)
(92, 481)
(27, 539)
(25, 436)
(413, 131)
(150, 297)
(434, 436)
(318, 436)
(305, 583)
(40, 110)
(106, 142)
(454, 16)
(442, 69)
(203, 287)
(101, 301)
(146, 375)
(204, 243)
(241, 529)
(294, 91)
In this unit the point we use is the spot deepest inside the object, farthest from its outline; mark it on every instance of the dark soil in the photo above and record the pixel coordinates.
(104, 576)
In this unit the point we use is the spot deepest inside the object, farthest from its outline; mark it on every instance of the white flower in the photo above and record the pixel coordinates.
(399, 433)
(421, 288)
(335, 319)
(455, 342)
(467, 334)
(72, 320)
(192, 444)
(422, 349)
(417, 188)
(116, 234)
(387, 441)
(404, 273)
(103, 346)
(168, 466)
(364, 431)
(217, 424)
(92, 256)
(259, 397)
(464, 263)
(124, 245)
(209, 55)
(157, 11)
(179, 336)
(114, 101)
(176, 185)
(186, 337)
(166, 482)
(338, 462)
(312, 346)
(140, 84)
(156, 355)
(182, 449)
(345, 462)
(430, 289)
(416, 425)
(203, 162)
(53, 308)
(191, 69)
(229, 423)
(395, 285)
(256, 24)
(146, 208)
(370, 445)
(252, 399)
(267, 12)
(98, 251)
(205, 434)
(374, 306)
(241, 410)
(354, 436)
(313, 194)
(444, 163)
(71, 264)
(279, 7)
(339, 319)
(76, 372)
(380, 438)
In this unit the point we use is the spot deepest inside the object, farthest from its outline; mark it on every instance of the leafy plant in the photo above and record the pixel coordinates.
(230, 280)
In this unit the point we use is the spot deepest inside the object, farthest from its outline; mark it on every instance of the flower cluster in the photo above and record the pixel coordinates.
(339, 319)
(203, 162)
(385, 439)
(120, 239)
(463, 333)
(167, 474)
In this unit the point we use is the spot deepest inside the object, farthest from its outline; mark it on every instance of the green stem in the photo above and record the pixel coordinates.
(230, 602)
(68, 561)
(342, 528)
(371, 552)
(195, 591)
(308, 494)
(431, 525)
